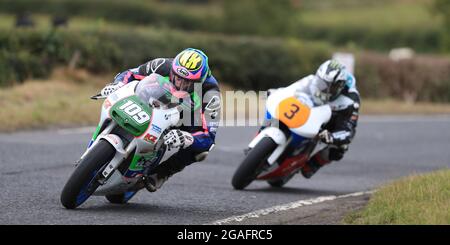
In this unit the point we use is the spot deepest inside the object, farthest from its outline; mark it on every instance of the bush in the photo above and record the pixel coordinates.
(250, 63)
(132, 12)
(423, 78)
(245, 62)
(263, 17)
(33, 53)
(250, 17)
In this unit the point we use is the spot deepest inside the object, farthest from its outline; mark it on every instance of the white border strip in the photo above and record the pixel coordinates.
(404, 118)
(285, 207)
(437, 118)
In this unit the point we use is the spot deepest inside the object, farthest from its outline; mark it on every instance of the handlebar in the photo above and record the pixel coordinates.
(97, 97)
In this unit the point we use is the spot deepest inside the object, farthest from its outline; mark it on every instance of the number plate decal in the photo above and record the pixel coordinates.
(135, 112)
(293, 113)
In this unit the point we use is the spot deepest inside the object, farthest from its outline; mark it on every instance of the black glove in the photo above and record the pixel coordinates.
(326, 137)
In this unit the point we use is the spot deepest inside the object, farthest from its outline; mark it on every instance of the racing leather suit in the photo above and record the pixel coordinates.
(204, 117)
(342, 125)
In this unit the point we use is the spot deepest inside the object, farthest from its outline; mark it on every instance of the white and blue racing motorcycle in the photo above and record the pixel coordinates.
(286, 142)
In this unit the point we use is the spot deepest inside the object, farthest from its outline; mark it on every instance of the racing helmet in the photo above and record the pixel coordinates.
(328, 82)
(190, 66)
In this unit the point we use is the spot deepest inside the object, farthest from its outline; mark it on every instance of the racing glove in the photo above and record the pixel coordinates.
(178, 139)
(339, 138)
(110, 88)
(326, 137)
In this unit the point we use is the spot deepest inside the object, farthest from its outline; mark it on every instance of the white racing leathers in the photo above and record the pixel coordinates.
(342, 125)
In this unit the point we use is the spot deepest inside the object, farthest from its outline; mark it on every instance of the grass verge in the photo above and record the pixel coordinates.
(61, 101)
(396, 107)
(392, 15)
(420, 199)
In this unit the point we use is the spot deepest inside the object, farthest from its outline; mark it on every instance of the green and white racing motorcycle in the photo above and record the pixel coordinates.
(127, 141)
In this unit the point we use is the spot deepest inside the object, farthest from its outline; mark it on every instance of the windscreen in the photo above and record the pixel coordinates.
(158, 91)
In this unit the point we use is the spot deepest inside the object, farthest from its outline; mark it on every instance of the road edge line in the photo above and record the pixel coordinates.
(284, 207)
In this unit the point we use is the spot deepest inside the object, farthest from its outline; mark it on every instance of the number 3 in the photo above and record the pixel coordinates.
(293, 112)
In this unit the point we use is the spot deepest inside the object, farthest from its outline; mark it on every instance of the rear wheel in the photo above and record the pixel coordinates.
(253, 164)
(82, 183)
(121, 198)
(280, 182)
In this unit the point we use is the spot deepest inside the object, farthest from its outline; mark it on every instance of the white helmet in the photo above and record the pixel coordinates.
(328, 82)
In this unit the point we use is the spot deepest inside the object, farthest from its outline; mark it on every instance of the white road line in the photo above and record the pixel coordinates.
(240, 122)
(404, 119)
(285, 207)
(364, 118)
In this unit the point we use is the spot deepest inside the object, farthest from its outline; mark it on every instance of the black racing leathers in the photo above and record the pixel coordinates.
(342, 125)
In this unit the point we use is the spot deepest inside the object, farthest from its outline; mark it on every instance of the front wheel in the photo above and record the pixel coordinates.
(82, 183)
(253, 164)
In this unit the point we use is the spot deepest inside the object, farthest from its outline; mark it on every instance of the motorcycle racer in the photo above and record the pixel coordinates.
(189, 72)
(332, 84)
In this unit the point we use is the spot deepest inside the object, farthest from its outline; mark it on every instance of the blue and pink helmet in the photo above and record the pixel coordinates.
(190, 65)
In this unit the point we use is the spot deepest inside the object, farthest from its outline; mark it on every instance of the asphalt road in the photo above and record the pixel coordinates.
(34, 167)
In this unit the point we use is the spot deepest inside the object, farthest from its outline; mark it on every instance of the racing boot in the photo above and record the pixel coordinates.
(313, 165)
(162, 173)
(154, 182)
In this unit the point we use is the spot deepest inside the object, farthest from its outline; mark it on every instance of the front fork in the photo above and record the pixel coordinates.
(96, 138)
(115, 141)
(278, 136)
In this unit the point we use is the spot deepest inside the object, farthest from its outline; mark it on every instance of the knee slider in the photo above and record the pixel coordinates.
(201, 156)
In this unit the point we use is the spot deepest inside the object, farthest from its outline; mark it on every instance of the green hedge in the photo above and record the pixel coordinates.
(260, 18)
(132, 12)
(244, 62)
(33, 53)
(249, 63)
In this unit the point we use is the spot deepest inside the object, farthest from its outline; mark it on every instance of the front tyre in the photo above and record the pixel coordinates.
(253, 164)
(82, 183)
